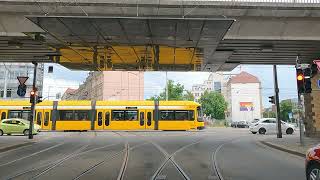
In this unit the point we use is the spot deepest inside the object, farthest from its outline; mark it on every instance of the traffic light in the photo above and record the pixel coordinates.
(32, 96)
(38, 99)
(307, 80)
(300, 81)
(272, 100)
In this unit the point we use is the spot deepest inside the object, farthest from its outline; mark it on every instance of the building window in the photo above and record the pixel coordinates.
(9, 92)
(1, 93)
(217, 86)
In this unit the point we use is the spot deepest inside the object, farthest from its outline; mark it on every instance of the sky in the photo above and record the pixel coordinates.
(154, 82)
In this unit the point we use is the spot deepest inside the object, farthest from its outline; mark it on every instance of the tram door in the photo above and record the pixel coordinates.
(149, 122)
(43, 119)
(3, 114)
(103, 120)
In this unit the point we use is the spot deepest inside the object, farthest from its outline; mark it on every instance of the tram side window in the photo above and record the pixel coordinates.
(118, 115)
(166, 115)
(81, 115)
(123, 115)
(131, 115)
(46, 118)
(66, 115)
(19, 114)
(181, 115)
(3, 115)
(39, 117)
(191, 115)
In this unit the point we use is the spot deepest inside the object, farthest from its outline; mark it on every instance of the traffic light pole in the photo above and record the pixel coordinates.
(300, 119)
(33, 104)
(276, 93)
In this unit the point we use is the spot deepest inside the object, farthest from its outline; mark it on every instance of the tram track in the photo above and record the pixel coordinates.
(50, 166)
(170, 157)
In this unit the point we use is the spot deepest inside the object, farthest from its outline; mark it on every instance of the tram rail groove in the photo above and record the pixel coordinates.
(169, 157)
(125, 163)
(214, 158)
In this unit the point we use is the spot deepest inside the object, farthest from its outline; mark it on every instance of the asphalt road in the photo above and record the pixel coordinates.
(211, 154)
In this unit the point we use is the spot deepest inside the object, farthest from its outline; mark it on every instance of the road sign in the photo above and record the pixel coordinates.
(318, 83)
(22, 79)
(22, 89)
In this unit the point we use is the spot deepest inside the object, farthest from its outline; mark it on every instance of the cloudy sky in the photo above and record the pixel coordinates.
(62, 78)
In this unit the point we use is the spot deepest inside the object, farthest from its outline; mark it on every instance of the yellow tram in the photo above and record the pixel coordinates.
(108, 115)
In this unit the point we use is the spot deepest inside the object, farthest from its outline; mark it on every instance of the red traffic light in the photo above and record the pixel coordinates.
(32, 93)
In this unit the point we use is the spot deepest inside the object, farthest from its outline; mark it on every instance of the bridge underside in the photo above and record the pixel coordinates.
(138, 35)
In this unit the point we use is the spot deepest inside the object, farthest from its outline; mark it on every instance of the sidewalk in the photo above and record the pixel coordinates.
(291, 144)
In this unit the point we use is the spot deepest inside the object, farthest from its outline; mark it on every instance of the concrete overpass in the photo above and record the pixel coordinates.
(264, 32)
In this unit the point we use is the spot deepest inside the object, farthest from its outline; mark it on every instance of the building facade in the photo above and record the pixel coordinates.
(312, 109)
(9, 82)
(109, 85)
(215, 82)
(244, 98)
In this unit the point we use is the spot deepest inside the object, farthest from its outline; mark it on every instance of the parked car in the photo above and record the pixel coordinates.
(269, 125)
(242, 124)
(313, 163)
(16, 126)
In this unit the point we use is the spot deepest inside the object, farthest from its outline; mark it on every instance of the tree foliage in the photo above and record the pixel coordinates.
(214, 104)
(175, 92)
(285, 108)
(269, 114)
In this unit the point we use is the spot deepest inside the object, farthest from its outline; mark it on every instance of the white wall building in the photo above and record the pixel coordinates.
(215, 82)
(244, 98)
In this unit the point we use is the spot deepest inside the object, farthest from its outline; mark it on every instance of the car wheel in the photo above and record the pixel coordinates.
(313, 172)
(1, 132)
(254, 132)
(26, 132)
(289, 131)
(262, 131)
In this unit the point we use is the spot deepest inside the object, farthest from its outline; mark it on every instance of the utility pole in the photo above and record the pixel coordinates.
(5, 83)
(167, 90)
(33, 104)
(276, 92)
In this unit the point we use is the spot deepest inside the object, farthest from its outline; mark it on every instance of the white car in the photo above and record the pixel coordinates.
(269, 125)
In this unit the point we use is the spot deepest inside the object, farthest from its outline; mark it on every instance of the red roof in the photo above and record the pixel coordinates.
(244, 77)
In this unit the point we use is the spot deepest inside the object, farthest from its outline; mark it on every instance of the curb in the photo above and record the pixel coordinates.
(283, 149)
(8, 148)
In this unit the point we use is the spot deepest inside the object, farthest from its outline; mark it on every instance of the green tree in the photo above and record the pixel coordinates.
(176, 91)
(285, 108)
(269, 114)
(214, 104)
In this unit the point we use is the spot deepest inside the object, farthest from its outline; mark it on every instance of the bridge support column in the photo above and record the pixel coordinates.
(312, 109)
